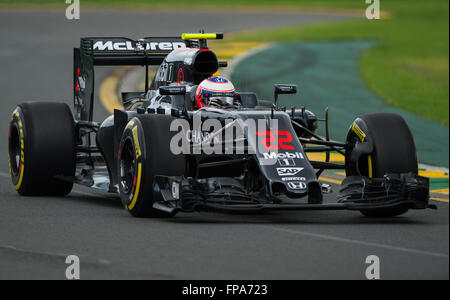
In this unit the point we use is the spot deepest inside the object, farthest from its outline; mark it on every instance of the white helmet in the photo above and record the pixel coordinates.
(215, 91)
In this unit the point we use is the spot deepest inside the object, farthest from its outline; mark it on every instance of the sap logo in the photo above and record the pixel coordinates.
(288, 171)
(297, 185)
(283, 155)
(128, 46)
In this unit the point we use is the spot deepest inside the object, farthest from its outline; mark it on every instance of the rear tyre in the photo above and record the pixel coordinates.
(394, 151)
(41, 146)
(144, 152)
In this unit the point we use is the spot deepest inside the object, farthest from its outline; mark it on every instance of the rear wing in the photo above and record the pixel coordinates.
(114, 51)
(117, 51)
(123, 51)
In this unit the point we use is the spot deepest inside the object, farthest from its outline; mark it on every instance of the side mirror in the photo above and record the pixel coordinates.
(284, 89)
(172, 90)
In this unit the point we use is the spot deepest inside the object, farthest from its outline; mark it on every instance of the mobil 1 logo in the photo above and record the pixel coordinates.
(283, 158)
(286, 162)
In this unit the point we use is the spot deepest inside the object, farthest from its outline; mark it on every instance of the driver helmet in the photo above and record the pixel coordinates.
(215, 91)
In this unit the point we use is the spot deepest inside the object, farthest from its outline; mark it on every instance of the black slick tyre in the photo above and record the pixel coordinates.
(144, 152)
(394, 151)
(41, 147)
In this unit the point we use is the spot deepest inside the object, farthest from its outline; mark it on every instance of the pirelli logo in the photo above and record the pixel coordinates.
(355, 128)
(137, 147)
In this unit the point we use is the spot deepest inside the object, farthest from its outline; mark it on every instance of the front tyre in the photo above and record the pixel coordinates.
(144, 152)
(41, 147)
(394, 151)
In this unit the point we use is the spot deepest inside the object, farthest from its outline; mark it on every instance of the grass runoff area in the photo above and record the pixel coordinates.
(408, 67)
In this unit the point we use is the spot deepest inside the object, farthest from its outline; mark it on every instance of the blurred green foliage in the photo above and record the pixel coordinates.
(317, 3)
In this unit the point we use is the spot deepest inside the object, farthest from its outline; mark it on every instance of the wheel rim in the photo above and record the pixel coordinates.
(14, 150)
(127, 167)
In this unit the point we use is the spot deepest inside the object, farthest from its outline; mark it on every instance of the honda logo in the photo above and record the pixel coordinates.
(297, 185)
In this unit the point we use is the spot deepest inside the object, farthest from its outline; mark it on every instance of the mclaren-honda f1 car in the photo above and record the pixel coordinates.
(156, 151)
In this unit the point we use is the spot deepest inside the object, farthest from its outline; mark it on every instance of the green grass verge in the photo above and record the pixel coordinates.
(248, 5)
(271, 3)
(408, 67)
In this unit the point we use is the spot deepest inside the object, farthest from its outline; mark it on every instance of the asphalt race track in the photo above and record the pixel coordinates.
(37, 233)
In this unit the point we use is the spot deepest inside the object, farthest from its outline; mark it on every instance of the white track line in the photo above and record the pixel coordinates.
(330, 237)
(357, 242)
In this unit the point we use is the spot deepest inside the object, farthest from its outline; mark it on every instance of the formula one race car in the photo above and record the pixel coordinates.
(184, 146)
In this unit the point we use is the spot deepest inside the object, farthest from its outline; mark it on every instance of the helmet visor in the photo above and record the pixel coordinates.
(221, 100)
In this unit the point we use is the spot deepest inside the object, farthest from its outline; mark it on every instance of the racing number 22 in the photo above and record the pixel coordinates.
(270, 140)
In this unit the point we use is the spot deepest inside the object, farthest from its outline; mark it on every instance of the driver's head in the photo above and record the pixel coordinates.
(215, 91)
